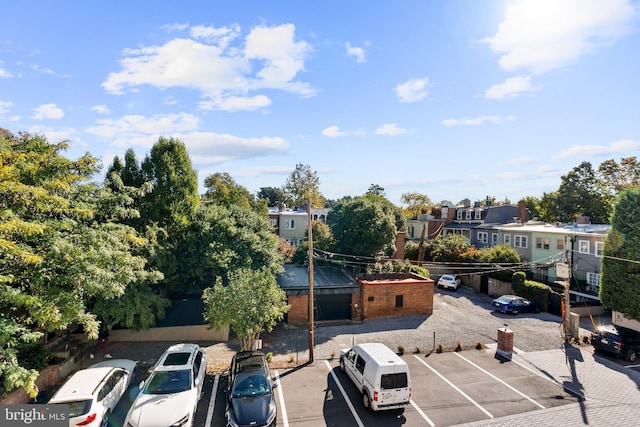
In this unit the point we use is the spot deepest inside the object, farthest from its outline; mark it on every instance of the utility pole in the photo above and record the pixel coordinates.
(311, 307)
(421, 245)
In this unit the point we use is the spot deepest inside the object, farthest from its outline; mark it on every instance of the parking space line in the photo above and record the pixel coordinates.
(283, 409)
(417, 408)
(212, 401)
(344, 394)
(499, 380)
(455, 387)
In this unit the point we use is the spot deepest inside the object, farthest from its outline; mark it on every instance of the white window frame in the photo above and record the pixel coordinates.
(468, 214)
(459, 214)
(506, 239)
(599, 249)
(478, 214)
(520, 241)
(494, 238)
(274, 222)
(593, 282)
(483, 237)
(560, 244)
(289, 224)
(584, 246)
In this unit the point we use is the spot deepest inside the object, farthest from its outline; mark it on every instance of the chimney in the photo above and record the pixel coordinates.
(522, 211)
(400, 240)
(582, 219)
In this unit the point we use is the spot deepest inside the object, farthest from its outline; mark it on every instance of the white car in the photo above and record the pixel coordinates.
(169, 397)
(94, 392)
(449, 281)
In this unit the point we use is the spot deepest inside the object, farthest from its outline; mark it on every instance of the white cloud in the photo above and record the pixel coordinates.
(236, 103)
(100, 109)
(390, 129)
(136, 125)
(521, 161)
(356, 52)
(5, 106)
(175, 27)
(541, 35)
(4, 74)
(476, 121)
(48, 111)
(412, 90)
(622, 147)
(270, 58)
(209, 147)
(335, 132)
(510, 88)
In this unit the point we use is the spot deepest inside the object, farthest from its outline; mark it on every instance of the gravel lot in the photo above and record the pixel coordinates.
(463, 316)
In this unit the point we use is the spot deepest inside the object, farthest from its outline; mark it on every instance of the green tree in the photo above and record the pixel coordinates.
(376, 189)
(223, 190)
(303, 185)
(274, 196)
(251, 302)
(452, 248)
(621, 264)
(175, 184)
(580, 193)
(217, 241)
(61, 247)
(416, 204)
(504, 257)
(362, 227)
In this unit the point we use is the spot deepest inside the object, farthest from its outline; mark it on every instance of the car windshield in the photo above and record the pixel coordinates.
(247, 385)
(449, 278)
(165, 382)
(504, 299)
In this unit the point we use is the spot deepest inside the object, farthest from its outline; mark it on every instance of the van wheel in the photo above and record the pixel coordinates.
(366, 400)
(631, 355)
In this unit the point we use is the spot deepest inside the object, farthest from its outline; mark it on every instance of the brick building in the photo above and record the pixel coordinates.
(395, 294)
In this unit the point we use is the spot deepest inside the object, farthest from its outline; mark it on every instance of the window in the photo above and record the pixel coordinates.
(593, 282)
(542, 243)
(393, 381)
(360, 363)
(560, 244)
(507, 239)
(483, 237)
(599, 249)
(459, 214)
(411, 230)
(478, 214)
(399, 301)
(274, 222)
(494, 239)
(584, 246)
(520, 241)
(469, 214)
(289, 224)
(371, 299)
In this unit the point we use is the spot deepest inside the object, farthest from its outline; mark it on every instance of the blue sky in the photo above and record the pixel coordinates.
(453, 99)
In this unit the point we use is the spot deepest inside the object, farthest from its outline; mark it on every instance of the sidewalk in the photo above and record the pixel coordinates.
(611, 392)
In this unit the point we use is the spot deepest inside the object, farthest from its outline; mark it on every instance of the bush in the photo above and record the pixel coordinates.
(458, 346)
(400, 350)
(34, 356)
(269, 357)
(440, 348)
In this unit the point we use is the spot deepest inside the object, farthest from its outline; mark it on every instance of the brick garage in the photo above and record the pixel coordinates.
(395, 295)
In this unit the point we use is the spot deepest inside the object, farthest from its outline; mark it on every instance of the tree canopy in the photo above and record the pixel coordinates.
(620, 278)
(303, 185)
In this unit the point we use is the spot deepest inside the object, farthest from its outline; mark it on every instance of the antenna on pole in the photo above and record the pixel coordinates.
(311, 307)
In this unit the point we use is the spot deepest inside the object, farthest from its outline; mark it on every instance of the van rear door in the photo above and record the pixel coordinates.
(394, 387)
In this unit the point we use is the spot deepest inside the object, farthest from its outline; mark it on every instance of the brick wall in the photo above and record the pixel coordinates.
(299, 311)
(380, 297)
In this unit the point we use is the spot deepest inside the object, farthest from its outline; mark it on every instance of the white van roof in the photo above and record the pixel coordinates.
(382, 354)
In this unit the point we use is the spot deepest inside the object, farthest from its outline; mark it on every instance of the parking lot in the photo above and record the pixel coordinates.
(447, 389)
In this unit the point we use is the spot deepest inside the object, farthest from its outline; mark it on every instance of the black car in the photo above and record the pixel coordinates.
(250, 400)
(617, 340)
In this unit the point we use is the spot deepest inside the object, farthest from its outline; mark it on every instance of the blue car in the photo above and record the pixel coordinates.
(514, 304)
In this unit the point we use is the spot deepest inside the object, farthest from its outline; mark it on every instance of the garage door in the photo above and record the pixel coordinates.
(333, 307)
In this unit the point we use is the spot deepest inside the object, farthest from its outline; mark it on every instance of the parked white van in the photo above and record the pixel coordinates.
(379, 373)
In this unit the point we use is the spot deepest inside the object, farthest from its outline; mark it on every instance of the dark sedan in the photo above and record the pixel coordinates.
(514, 304)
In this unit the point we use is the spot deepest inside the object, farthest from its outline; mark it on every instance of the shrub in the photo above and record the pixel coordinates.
(479, 345)
(458, 346)
(439, 349)
(269, 357)
(400, 349)
(417, 350)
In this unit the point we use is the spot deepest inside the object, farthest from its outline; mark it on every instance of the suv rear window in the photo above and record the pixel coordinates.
(174, 359)
(389, 381)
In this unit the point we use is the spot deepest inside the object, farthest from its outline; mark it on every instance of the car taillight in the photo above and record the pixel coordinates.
(375, 396)
(90, 418)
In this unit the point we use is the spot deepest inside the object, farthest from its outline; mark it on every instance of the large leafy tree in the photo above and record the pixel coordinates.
(59, 247)
(218, 240)
(416, 204)
(362, 227)
(251, 302)
(621, 262)
(273, 195)
(303, 185)
(223, 190)
(452, 248)
(580, 193)
(175, 184)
